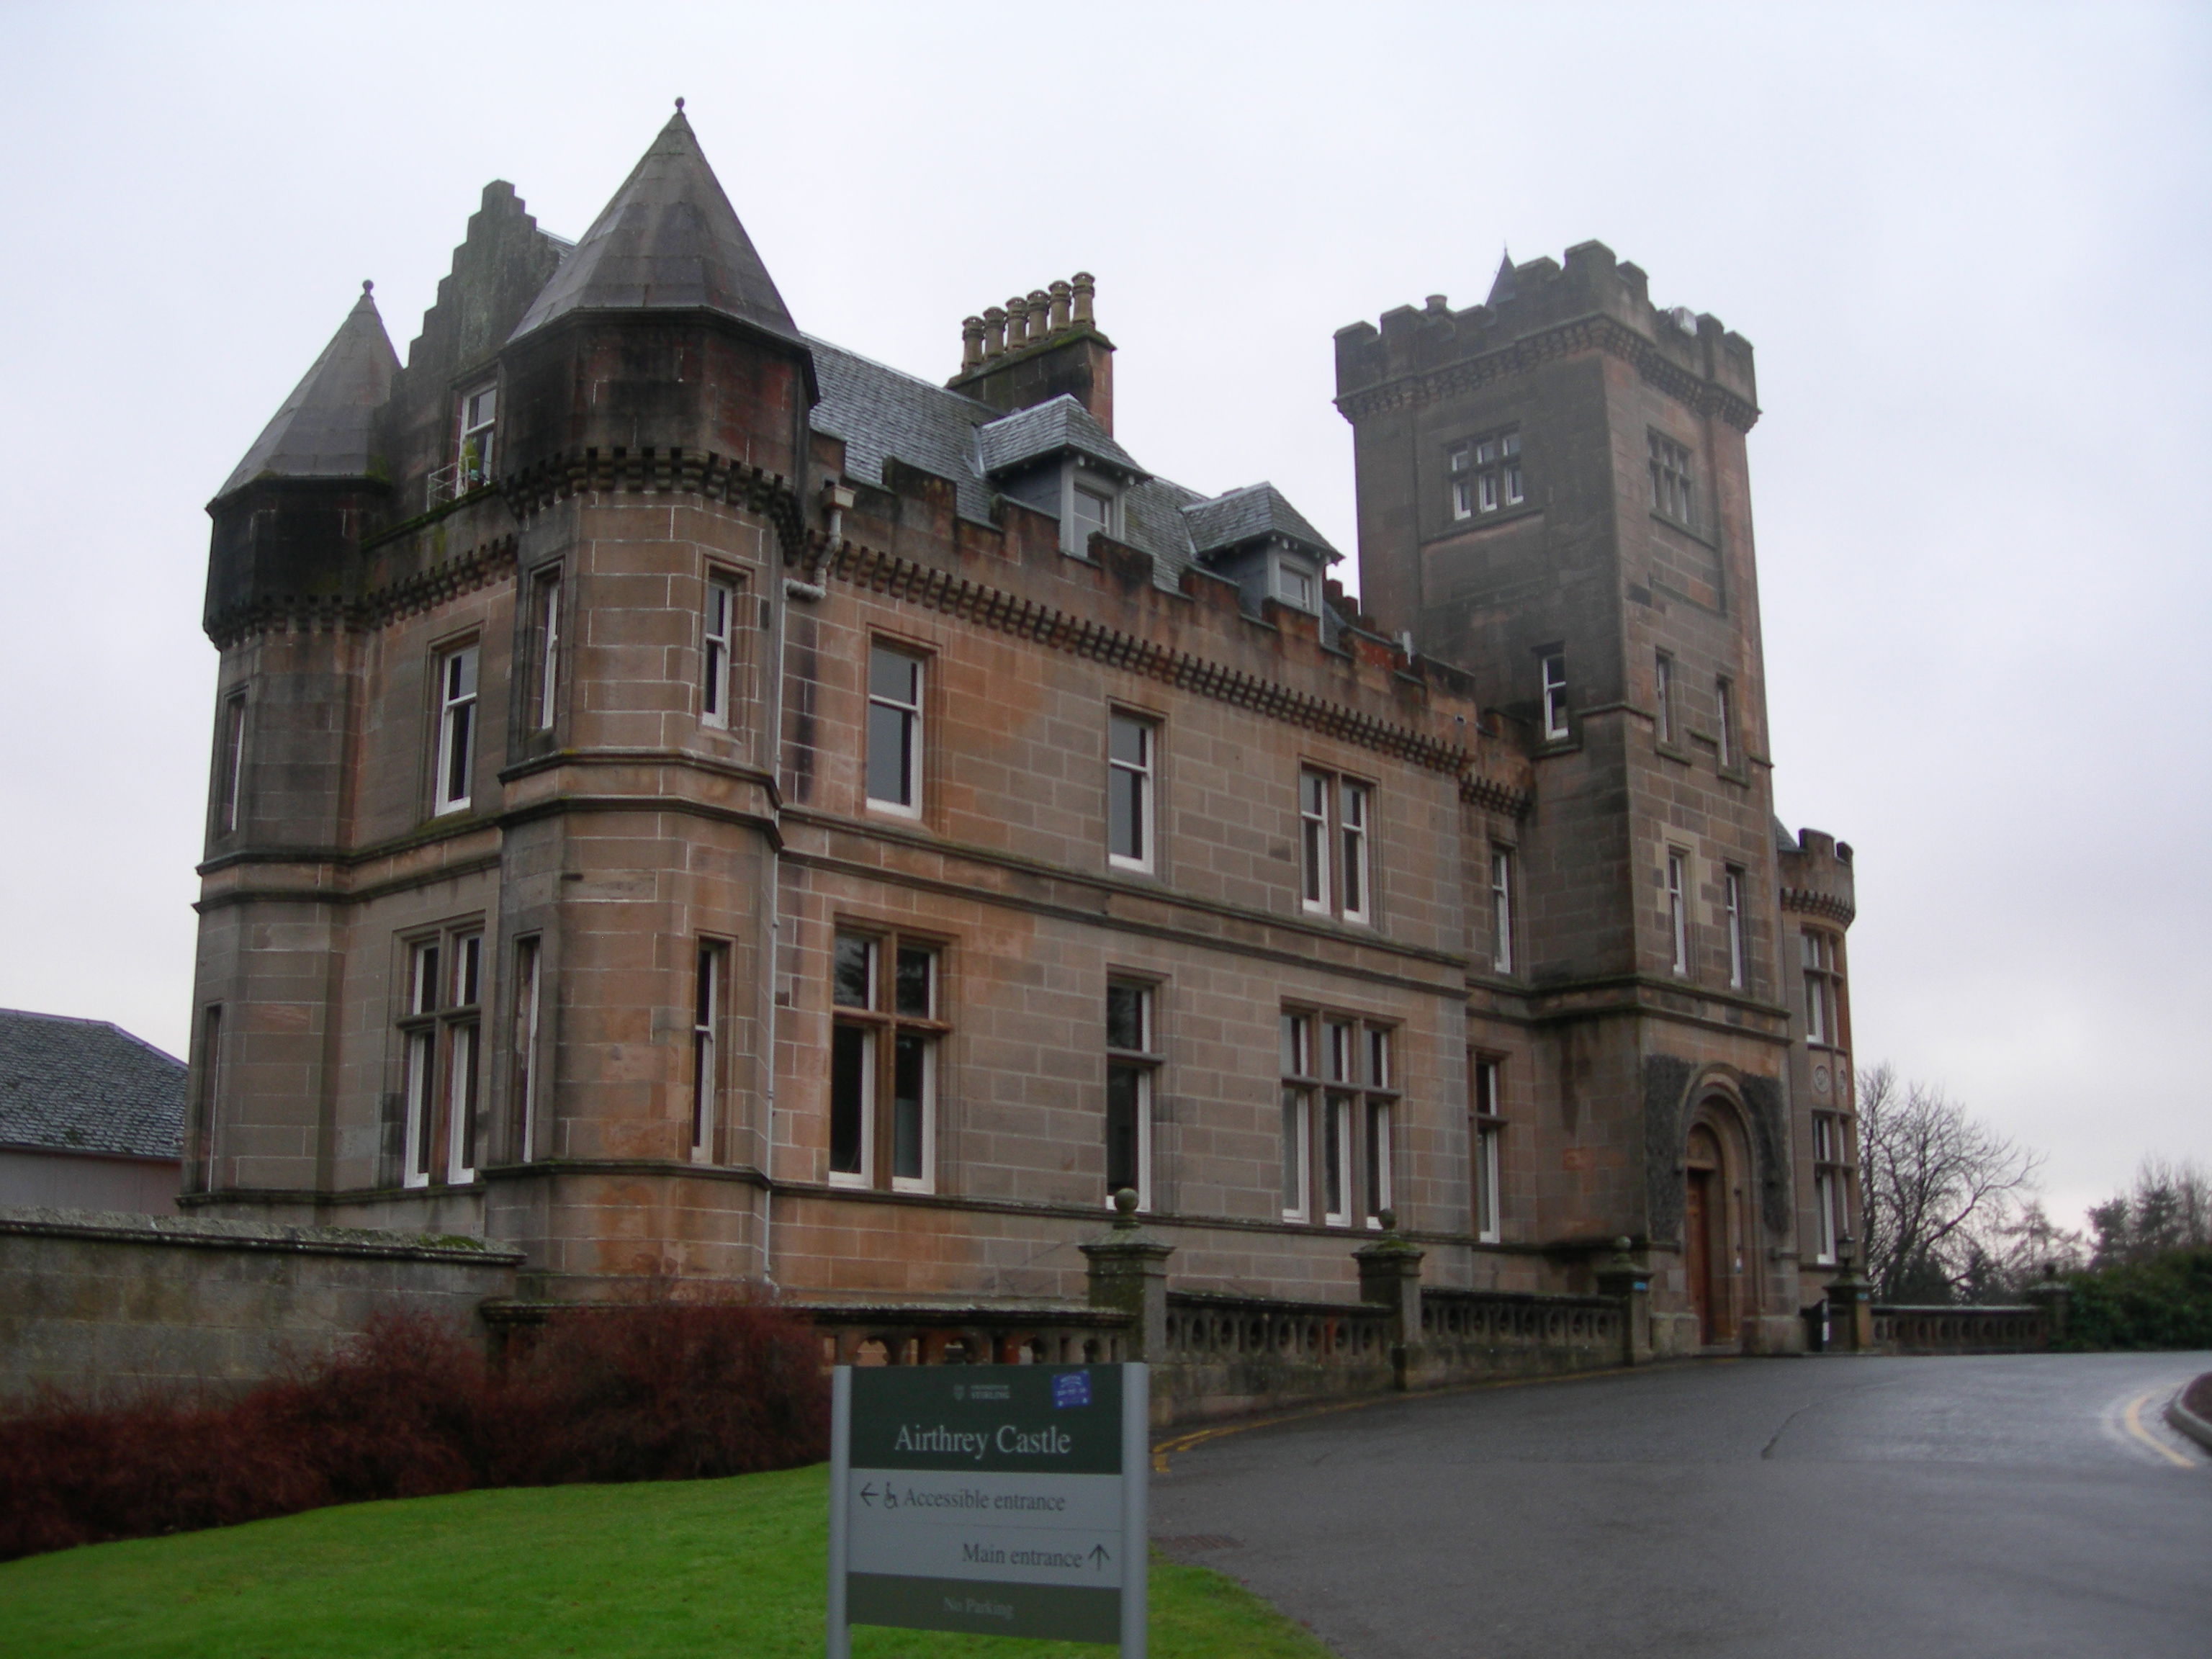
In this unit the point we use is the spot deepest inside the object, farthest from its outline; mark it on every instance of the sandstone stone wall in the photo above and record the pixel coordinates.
(103, 1305)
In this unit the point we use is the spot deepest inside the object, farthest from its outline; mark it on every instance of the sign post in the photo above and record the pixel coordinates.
(1007, 1500)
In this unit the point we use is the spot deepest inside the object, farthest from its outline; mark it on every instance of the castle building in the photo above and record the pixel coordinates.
(689, 801)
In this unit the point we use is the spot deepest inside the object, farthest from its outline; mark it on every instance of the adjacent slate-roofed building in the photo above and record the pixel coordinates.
(90, 1116)
(690, 801)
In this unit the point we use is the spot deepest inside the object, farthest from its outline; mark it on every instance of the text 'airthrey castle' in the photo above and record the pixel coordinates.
(689, 801)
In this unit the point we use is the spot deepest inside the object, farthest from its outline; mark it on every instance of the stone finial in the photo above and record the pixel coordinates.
(1040, 313)
(994, 333)
(368, 286)
(1084, 287)
(971, 342)
(1061, 295)
(1125, 1210)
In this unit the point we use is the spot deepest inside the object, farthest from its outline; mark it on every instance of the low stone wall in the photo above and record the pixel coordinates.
(1932, 1330)
(104, 1305)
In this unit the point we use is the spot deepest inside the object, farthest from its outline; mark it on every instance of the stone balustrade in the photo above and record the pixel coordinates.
(1903, 1330)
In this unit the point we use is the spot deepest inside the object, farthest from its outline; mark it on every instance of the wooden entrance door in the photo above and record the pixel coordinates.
(1697, 1250)
(1702, 1218)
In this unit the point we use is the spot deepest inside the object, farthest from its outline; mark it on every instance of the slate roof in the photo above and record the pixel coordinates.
(669, 238)
(883, 414)
(327, 428)
(1054, 428)
(84, 1085)
(1238, 516)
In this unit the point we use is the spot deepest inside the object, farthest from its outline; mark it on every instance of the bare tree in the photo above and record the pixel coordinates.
(1938, 1190)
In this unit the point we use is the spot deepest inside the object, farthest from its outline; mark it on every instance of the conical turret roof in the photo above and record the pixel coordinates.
(327, 428)
(669, 238)
(1503, 287)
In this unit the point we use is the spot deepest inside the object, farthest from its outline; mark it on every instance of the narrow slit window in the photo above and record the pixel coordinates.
(1678, 912)
(523, 1063)
(1129, 791)
(1352, 836)
(1130, 1064)
(894, 730)
(1554, 671)
(717, 638)
(1737, 954)
(231, 785)
(1724, 723)
(1313, 814)
(1487, 1127)
(706, 1049)
(545, 608)
(457, 728)
(1664, 716)
(1501, 909)
(464, 1058)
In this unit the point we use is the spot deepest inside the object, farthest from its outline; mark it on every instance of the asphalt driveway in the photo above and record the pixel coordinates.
(2013, 1505)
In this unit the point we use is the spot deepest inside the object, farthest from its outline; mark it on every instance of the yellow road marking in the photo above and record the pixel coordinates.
(1182, 1442)
(2132, 1418)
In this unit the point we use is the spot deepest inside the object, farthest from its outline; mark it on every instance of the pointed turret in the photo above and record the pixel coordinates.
(669, 240)
(1503, 287)
(327, 428)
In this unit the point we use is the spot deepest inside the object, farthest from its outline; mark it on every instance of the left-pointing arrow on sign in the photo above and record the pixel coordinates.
(867, 1495)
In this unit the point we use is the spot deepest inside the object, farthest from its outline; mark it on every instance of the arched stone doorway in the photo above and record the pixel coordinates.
(1714, 1224)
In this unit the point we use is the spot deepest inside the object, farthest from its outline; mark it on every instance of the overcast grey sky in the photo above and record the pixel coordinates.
(1969, 242)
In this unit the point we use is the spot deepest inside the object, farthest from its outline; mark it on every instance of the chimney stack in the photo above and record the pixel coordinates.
(1039, 346)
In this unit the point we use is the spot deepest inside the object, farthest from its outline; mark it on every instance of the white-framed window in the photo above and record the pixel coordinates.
(717, 650)
(1819, 955)
(1553, 669)
(479, 426)
(1131, 743)
(442, 1041)
(1313, 841)
(421, 1080)
(1672, 493)
(1132, 1059)
(230, 765)
(1831, 1176)
(1485, 475)
(1340, 1099)
(1093, 511)
(1663, 679)
(545, 631)
(523, 1063)
(1293, 584)
(709, 975)
(895, 751)
(457, 729)
(1501, 909)
(1739, 954)
(1677, 910)
(1336, 873)
(1724, 723)
(883, 1061)
(1487, 1130)
(463, 1023)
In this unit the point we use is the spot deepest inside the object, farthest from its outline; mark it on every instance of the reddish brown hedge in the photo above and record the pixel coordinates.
(657, 1391)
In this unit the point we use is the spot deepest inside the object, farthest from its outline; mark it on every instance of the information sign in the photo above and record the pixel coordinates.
(1005, 1499)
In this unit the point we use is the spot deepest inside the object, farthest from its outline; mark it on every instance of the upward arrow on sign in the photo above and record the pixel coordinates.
(1099, 1558)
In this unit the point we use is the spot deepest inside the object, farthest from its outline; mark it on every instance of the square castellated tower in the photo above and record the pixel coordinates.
(691, 802)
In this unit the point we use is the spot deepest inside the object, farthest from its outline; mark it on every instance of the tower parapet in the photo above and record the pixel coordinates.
(1541, 309)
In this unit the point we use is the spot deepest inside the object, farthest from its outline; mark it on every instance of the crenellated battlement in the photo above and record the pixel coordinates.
(1542, 309)
(1816, 876)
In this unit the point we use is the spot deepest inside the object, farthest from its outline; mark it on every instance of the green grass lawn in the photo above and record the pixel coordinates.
(689, 1567)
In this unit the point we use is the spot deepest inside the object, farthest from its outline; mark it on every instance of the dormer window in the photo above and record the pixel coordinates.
(1293, 584)
(479, 422)
(1093, 510)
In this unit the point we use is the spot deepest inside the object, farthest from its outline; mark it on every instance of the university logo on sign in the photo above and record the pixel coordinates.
(998, 1499)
